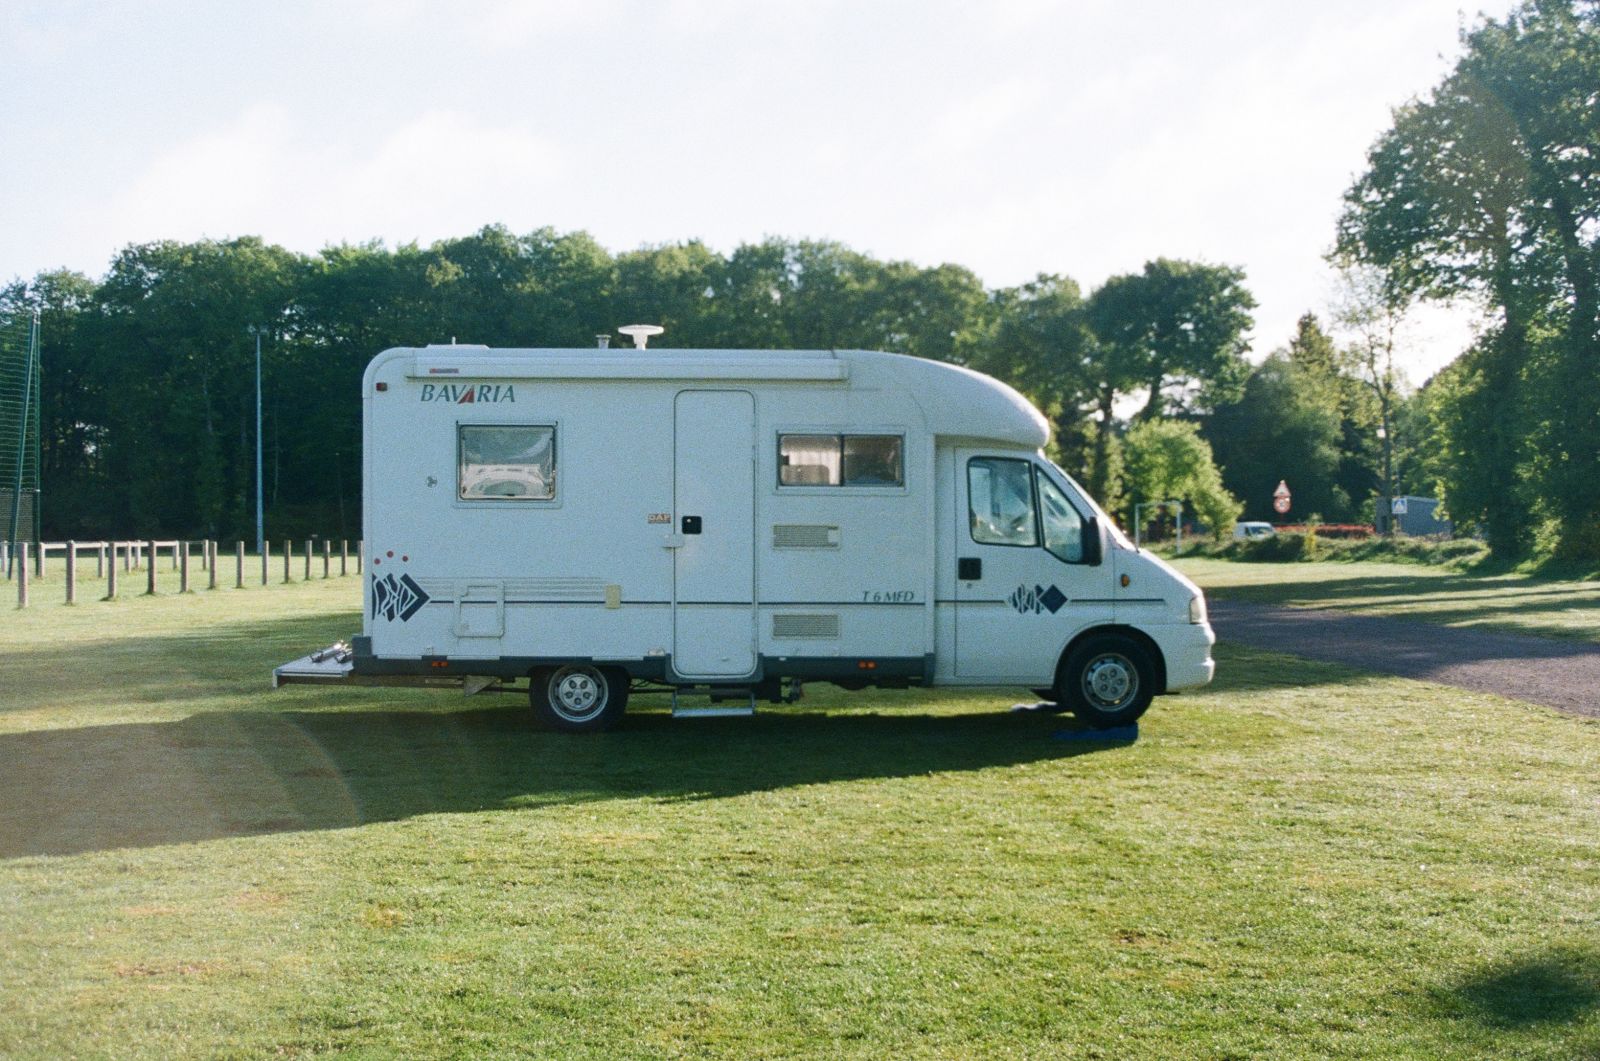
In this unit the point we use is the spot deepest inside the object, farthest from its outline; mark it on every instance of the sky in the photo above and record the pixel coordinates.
(1014, 137)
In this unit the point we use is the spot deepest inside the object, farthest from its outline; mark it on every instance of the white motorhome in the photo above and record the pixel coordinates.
(737, 522)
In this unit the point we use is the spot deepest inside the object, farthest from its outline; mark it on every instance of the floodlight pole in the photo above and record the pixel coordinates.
(261, 537)
(22, 444)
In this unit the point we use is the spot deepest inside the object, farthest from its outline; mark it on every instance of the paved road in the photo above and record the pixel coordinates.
(1560, 674)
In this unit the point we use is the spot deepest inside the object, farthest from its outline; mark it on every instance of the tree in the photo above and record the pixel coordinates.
(1285, 426)
(1168, 460)
(74, 396)
(1037, 339)
(1175, 331)
(1488, 187)
(1373, 314)
(169, 342)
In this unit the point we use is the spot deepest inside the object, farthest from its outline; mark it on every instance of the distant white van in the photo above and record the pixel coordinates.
(594, 522)
(1252, 529)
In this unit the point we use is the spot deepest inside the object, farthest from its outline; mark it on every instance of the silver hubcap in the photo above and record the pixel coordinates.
(1110, 681)
(577, 693)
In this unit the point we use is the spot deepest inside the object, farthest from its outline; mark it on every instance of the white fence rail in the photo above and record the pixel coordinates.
(32, 563)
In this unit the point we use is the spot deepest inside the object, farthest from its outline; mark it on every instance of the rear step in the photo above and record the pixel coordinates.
(717, 710)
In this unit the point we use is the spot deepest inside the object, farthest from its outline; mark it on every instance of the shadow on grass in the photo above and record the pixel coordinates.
(1448, 599)
(235, 773)
(1422, 587)
(211, 661)
(1561, 986)
(281, 762)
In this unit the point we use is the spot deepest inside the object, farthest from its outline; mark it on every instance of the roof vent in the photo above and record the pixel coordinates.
(603, 340)
(641, 333)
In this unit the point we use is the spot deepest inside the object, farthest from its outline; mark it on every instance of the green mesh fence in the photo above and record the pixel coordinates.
(19, 426)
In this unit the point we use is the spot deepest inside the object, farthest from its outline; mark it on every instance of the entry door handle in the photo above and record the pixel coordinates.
(969, 568)
(691, 524)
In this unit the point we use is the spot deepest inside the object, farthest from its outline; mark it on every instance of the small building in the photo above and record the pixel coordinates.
(1416, 517)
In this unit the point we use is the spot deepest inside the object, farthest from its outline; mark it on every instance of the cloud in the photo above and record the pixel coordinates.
(439, 173)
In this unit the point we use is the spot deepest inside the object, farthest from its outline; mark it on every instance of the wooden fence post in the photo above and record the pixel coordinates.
(344, 557)
(72, 572)
(38, 561)
(361, 550)
(309, 544)
(327, 556)
(100, 561)
(22, 574)
(183, 567)
(266, 557)
(150, 571)
(211, 563)
(238, 563)
(127, 555)
(288, 558)
(111, 575)
(175, 554)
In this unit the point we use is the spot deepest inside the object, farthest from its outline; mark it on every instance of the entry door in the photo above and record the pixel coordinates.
(714, 613)
(1017, 602)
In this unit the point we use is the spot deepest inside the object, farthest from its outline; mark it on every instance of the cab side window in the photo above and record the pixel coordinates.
(1063, 526)
(1000, 502)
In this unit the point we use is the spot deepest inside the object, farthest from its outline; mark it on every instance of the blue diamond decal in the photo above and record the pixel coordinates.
(1052, 599)
(394, 598)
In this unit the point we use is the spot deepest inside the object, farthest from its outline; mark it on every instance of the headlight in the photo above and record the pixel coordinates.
(1197, 608)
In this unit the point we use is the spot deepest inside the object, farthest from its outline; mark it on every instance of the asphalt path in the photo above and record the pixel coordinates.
(1561, 674)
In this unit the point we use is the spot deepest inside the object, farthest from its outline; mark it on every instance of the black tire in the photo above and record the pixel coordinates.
(578, 697)
(1107, 681)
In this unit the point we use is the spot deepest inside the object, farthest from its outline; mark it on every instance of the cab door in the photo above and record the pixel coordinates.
(1028, 574)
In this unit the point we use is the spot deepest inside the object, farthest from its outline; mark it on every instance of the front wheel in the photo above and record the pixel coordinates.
(579, 697)
(1107, 681)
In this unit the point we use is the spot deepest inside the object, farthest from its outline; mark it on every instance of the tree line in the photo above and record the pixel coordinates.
(149, 383)
(1487, 188)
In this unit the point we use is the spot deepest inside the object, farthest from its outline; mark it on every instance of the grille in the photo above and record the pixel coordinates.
(815, 627)
(805, 536)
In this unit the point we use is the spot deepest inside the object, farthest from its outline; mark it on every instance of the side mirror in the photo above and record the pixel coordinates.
(1093, 542)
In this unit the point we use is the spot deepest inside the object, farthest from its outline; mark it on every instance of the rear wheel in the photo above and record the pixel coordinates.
(578, 697)
(1107, 681)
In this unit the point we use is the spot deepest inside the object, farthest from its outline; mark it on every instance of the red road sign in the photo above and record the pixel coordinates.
(1280, 505)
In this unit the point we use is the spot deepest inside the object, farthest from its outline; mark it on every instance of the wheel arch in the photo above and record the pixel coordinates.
(1133, 633)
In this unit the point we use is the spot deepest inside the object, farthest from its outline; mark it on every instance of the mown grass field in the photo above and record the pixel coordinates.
(1299, 861)
(1514, 602)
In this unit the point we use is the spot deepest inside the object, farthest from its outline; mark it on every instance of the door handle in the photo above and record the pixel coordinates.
(691, 524)
(969, 568)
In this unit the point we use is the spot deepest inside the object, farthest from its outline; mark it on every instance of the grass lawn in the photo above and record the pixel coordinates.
(1518, 603)
(1298, 861)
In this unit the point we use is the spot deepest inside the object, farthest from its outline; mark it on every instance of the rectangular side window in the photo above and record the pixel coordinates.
(505, 462)
(808, 460)
(873, 460)
(841, 460)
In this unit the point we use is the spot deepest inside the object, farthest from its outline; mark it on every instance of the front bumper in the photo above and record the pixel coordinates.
(1187, 649)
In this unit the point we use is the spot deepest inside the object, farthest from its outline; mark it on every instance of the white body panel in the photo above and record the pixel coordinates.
(776, 579)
